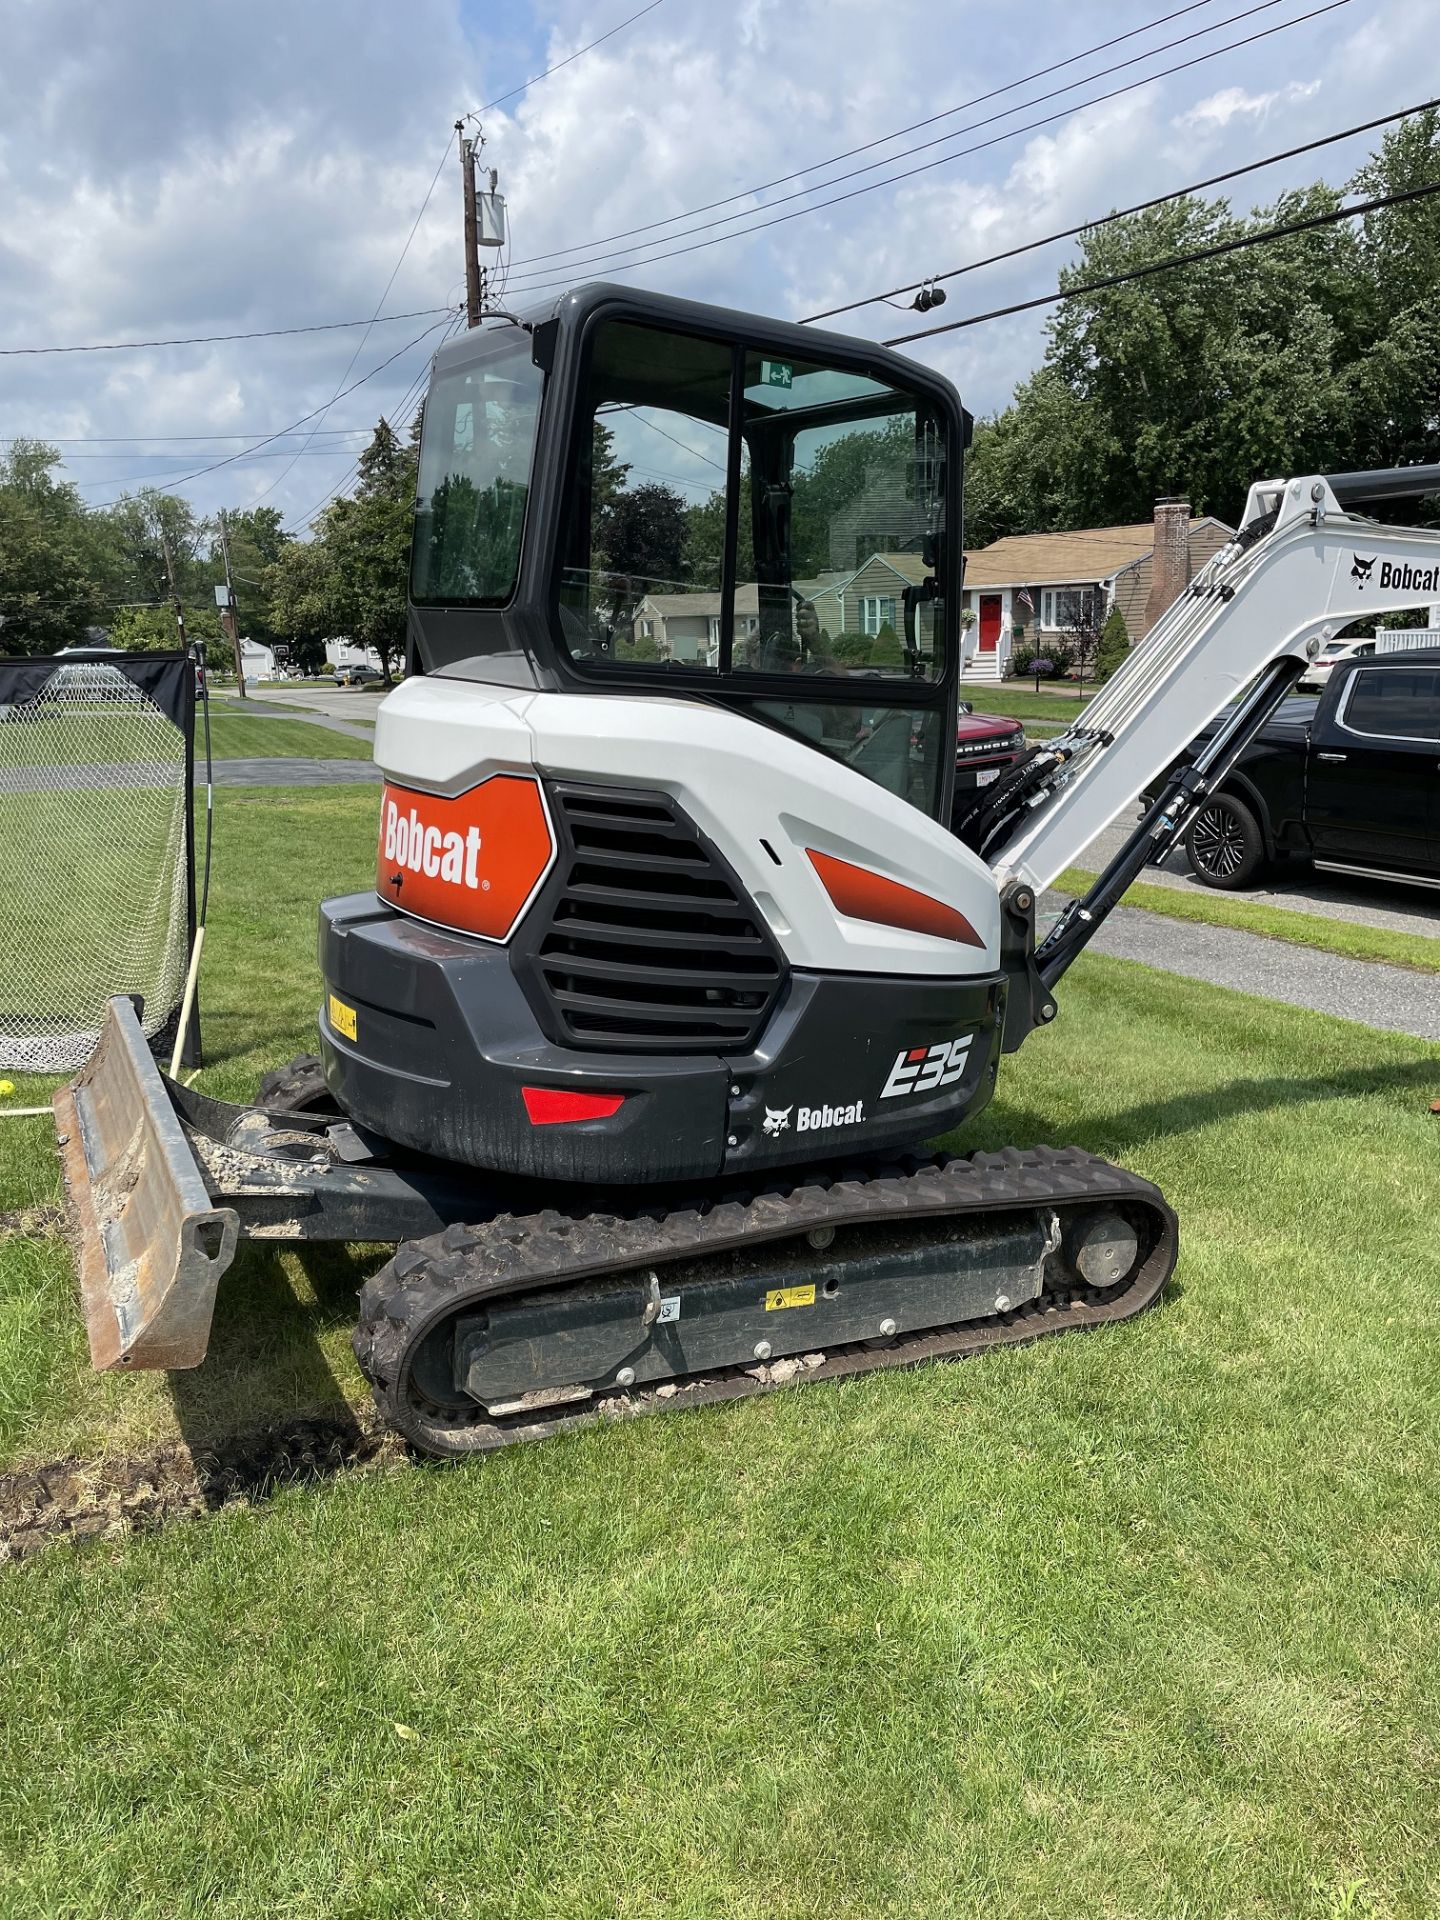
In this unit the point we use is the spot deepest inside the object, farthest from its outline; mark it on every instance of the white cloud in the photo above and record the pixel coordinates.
(1233, 102)
(195, 170)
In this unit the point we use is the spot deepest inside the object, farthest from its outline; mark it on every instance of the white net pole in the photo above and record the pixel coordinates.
(93, 863)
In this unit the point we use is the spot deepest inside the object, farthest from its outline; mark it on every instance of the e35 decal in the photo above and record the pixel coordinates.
(925, 1069)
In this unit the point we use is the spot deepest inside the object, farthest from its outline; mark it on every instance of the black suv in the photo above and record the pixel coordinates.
(1350, 781)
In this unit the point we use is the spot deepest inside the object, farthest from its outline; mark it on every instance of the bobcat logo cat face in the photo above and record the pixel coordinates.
(777, 1120)
(1362, 569)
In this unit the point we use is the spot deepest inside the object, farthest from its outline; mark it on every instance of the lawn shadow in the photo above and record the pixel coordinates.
(1112, 1133)
(266, 1407)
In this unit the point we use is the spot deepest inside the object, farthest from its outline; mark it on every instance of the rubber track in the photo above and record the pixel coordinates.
(469, 1266)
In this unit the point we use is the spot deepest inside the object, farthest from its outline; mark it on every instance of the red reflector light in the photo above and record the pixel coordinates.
(553, 1106)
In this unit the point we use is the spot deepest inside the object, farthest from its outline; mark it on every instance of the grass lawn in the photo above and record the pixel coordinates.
(1140, 1623)
(236, 735)
(1017, 698)
(1217, 909)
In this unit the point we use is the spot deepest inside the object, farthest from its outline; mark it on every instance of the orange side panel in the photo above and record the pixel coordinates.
(472, 862)
(862, 895)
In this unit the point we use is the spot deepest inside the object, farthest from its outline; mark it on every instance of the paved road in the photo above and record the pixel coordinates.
(292, 773)
(1371, 903)
(335, 704)
(1365, 990)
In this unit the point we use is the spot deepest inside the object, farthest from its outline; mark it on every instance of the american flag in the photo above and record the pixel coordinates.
(1025, 600)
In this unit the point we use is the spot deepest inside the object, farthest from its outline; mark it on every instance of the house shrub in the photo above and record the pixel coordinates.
(851, 649)
(1113, 646)
(886, 650)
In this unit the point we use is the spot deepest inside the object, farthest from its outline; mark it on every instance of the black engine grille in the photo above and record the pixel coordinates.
(644, 940)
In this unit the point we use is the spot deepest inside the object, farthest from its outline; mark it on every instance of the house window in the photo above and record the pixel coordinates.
(877, 611)
(647, 629)
(1063, 609)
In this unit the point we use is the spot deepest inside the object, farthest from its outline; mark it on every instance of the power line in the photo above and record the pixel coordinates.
(139, 453)
(414, 229)
(1175, 260)
(931, 120)
(534, 79)
(208, 339)
(1124, 213)
(1010, 133)
(294, 427)
(412, 391)
(128, 439)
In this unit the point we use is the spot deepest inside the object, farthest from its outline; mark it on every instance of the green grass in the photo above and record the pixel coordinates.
(243, 736)
(1139, 1623)
(1012, 698)
(1357, 941)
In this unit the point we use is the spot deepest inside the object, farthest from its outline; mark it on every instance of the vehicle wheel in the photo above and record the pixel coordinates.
(1225, 845)
(297, 1087)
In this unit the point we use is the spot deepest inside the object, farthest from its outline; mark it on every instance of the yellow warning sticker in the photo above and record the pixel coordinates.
(790, 1297)
(342, 1019)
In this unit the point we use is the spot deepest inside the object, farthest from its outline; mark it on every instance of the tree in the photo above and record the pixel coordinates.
(705, 539)
(51, 565)
(298, 585)
(1114, 644)
(1083, 636)
(354, 577)
(607, 474)
(153, 630)
(257, 540)
(643, 535)
(835, 477)
(1318, 351)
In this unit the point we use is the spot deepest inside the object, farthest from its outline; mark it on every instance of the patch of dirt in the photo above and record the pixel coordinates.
(31, 1223)
(105, 1499)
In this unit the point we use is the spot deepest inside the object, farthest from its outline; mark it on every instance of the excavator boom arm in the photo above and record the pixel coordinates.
(1302, 567)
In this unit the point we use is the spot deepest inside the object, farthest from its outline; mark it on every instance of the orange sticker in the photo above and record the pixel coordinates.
(472, 862)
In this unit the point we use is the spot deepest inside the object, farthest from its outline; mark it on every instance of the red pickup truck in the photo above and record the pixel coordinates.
(986, 744)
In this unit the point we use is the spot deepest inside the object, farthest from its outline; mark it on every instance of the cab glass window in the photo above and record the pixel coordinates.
(1397, 703)
(844, 507)
(476, 454)
(644, 558)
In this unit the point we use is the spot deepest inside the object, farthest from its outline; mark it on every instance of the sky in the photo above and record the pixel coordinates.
(176, 170)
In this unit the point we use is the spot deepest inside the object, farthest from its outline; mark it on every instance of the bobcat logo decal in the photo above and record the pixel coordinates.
(777, 1120)
(1362, 569)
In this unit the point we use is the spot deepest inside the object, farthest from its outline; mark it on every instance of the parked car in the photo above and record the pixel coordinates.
(1350, 781)
(1330, 656)
(986, 744)
(355, 676)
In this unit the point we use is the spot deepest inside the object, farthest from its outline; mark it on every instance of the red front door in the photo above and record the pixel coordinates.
(990, 605)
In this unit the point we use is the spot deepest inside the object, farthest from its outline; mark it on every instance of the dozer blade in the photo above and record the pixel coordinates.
(150, 1244)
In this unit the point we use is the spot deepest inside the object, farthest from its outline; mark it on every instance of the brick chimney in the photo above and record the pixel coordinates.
(1170, 570)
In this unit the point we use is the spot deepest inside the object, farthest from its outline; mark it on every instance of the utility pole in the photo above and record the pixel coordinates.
(474, 300)
(227, 612)
(170, 576)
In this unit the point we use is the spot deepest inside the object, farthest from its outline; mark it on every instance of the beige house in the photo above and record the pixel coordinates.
(1047, 584)
(686, 626)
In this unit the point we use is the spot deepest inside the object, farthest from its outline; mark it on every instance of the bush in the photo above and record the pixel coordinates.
(851, 649)
(1113, 646)
(886, 650)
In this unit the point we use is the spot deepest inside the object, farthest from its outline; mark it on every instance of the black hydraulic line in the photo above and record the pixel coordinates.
(1385, 483)
(1166, 820)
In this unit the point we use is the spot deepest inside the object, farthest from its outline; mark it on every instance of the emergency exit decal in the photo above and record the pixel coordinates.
(472, 862)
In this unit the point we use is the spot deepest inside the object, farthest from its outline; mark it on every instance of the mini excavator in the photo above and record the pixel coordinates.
(679, 949)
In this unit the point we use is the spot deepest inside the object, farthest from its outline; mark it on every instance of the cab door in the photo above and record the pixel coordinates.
(1373, 786)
